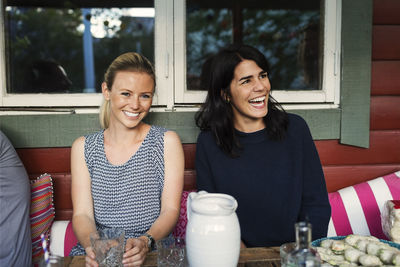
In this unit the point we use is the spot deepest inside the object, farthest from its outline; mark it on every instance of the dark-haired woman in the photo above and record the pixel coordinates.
(252, 149)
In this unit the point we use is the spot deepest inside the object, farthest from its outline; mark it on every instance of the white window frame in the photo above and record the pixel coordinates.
(170, 66)
(330, 92)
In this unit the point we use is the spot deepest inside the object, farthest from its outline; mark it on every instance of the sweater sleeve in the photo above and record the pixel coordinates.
(204, 177)
(315, 203)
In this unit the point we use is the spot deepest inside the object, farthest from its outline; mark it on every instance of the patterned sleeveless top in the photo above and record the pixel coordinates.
(126, 196)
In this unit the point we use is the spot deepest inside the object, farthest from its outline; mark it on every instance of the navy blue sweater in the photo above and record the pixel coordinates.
(276, 183)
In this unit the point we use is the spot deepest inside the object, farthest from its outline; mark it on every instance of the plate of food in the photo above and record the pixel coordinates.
(357, 250)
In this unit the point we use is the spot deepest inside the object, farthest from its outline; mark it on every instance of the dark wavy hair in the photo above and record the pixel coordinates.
(216, 114)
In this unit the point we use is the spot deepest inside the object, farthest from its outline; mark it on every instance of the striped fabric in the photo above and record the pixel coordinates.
(62, 238)
(356, 209)
(42, 213)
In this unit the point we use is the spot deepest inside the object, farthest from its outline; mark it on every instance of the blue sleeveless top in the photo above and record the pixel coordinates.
(126, 196)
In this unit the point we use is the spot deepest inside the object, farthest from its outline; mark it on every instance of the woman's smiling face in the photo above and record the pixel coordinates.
(130, 97)
(249, 91)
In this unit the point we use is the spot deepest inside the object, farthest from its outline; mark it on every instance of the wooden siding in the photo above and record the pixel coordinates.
(386, 12)
(343, 165)
(385, 77)
(385, 113)
(347, 165)
(386, 42)
(355, 80)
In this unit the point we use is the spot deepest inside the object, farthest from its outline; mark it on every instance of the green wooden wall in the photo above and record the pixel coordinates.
(61, 130)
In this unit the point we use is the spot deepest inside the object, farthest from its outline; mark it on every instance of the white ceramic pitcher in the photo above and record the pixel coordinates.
(212, 232)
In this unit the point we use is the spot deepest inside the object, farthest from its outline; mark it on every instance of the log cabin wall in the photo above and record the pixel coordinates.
(343, 165)
(347, 165)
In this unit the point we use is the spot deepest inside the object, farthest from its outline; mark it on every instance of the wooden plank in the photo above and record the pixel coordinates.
(60, 130)
(386, 42)
(385, 112)
(41, 160)
(190, 180)
(356, 72)
(384, 149)
(338, 177)
(385, 77)
(190, 155)
(249, 257)
(386, 12)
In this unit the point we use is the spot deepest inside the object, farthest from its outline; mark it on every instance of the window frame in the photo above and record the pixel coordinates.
(170, 64)
(330, 89)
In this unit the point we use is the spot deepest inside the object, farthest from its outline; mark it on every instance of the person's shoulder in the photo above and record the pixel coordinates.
(205, 136)
(296, 121)
(171, 137)
(7, 150)
(79, 142)
(4, 140)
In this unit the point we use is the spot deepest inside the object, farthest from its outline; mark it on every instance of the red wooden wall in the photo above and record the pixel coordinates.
(346, 165)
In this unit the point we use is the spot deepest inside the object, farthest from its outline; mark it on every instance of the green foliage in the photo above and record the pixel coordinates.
(57, 35)
(277, 33)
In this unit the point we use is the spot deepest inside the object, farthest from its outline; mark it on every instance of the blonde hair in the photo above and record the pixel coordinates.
(130, 61)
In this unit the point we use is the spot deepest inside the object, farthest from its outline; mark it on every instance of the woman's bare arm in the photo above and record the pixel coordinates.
(83, 215)
(173, 186)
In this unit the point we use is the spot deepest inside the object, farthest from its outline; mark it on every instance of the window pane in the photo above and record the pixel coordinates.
(287, 32)
(61, 47)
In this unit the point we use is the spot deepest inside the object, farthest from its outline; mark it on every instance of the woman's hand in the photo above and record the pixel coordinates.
(90, 258)
(135, 252)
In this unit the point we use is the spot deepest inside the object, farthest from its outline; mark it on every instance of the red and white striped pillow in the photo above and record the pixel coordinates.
(356, 209)
(62, 238)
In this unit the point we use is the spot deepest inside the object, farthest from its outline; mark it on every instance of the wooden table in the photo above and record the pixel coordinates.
(249, 257)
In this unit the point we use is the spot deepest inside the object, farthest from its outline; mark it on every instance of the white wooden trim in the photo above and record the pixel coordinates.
(49, 100)
(164, 53)
(331, 63)
(180, 55)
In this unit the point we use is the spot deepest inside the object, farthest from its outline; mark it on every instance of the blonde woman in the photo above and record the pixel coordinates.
(130, 174)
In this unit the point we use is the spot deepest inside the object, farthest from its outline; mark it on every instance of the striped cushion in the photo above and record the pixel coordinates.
(356, 209)
(42, 213)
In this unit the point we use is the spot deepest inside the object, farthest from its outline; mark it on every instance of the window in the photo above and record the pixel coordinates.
(58, 51)
(301, 40)
(61, 63)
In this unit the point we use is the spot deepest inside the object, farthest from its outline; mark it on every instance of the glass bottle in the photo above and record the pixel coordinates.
(303, 255)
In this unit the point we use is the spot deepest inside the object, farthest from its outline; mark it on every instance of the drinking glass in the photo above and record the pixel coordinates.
(284, 251)
(54, 261)
(108, 246)
(171, 252)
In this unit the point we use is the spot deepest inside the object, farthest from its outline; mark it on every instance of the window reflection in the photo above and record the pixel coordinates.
(287, 32)
(65, 46)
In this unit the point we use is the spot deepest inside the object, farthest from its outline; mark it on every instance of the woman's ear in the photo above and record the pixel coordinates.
(225, 96)
(105, 91)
